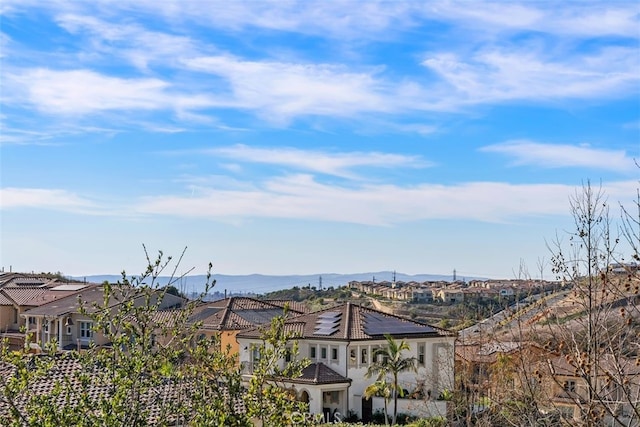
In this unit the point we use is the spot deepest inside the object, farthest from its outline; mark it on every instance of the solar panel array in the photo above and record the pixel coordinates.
(259, 316)
(202, 315)
(328, 323)
(379, 324)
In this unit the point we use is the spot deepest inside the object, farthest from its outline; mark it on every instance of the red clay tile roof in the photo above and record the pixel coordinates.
(298, 306)
(237, 313)
(92, 294)
(65, 367)
(34, 297)
(319, 373)
(5, 299)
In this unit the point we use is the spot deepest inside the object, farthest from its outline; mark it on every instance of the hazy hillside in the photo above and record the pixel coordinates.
(259, 283)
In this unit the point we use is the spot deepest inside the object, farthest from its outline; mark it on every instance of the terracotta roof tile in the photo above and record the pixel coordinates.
(35, 297)
(63, 368)
(319, 373)
(237, 313)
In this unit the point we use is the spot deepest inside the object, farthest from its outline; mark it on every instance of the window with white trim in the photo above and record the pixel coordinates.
(323, 352)
(421, 351)
(86, 330)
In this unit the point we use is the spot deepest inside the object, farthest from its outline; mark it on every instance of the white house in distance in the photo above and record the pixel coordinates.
(341, 341)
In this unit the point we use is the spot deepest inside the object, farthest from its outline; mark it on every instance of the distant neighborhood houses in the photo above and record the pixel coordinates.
(340, 341)
(453, 292)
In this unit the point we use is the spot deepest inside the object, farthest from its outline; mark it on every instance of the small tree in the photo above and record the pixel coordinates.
(139, 380)
(389, 361)
(381, 389)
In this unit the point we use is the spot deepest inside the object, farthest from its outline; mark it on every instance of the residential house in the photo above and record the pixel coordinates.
(341, 342)
(616, 387)
(21, 292)
(227, 317)
(62, 319)
(450, 295)
(494, 369)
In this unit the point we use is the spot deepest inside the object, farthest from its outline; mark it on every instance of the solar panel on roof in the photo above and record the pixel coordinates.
(325, 331)
(259, 317)
(378, 324)
(328, 323)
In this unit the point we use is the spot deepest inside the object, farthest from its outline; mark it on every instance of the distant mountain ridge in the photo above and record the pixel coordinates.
(262, 283)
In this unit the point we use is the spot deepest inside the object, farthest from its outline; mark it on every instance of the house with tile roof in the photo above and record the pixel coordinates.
(22, 292)
(616, 387)
(341, 342)
(229, 316)
(62, 320)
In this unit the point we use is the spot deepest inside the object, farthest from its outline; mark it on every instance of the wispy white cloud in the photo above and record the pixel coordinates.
(301, 197)
(353, 19)
(581, 19)
(500, 75)
(279, 90)
(54, 199)
(338, 164)
(562, 155)
(84, 91)
(131, 42)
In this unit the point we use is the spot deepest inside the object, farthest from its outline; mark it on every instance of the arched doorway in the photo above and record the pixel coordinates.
(304, 396)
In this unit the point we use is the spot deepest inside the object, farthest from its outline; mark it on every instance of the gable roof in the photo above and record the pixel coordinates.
(237, 313)
(90, 296)
(19, 289)
(347, 322)
(33, 297)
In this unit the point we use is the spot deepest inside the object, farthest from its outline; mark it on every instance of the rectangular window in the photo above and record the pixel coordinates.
(15, 315)
(421, 354)
(570, 386)
(363, 356)
(287, 354)
(353, 356)
(334, 353)
(323, 352)
(46, 326)
(312, 352)
(255, 354)
(86, 330)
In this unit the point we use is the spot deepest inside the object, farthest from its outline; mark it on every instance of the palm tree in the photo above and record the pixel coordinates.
(382, 389)
(389, 361)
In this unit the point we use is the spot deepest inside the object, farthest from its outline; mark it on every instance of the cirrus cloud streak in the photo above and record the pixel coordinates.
(534, 153)
(301, 197)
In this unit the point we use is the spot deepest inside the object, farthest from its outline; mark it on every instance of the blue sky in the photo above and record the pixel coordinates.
(306, 137)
